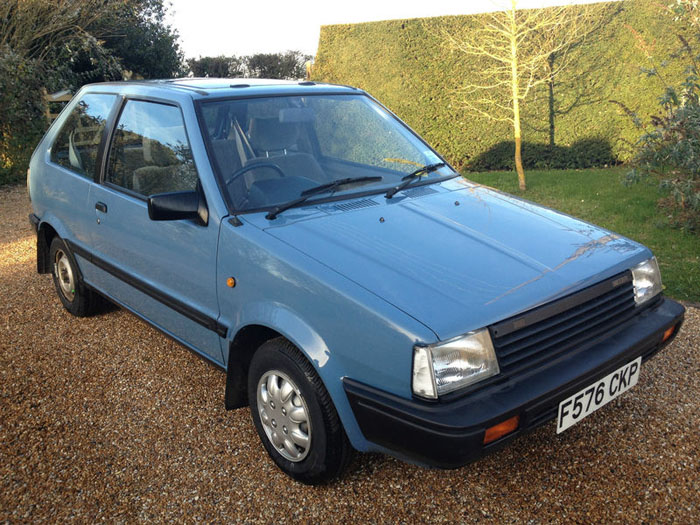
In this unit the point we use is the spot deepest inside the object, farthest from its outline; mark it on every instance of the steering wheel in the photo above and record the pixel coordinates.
(246, 169)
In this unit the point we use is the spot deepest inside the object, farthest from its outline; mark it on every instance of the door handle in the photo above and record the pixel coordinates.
(101, 206)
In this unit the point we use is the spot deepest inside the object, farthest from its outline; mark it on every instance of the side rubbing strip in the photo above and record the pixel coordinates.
(177, 305)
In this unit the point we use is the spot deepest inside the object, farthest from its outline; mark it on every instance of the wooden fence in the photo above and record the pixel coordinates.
(60, 98)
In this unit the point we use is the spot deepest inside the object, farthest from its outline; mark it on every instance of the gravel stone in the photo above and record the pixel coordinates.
(105, 419)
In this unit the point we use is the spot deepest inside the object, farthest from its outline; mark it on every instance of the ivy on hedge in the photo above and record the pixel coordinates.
(405, 64)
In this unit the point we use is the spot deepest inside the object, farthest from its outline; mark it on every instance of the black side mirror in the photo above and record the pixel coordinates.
(178, 205)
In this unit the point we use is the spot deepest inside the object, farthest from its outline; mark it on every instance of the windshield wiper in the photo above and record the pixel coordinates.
(417, 174)
(316, 190)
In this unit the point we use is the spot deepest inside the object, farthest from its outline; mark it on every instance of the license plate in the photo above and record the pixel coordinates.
(575, 408)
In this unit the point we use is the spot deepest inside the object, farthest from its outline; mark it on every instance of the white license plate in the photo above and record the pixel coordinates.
(573, 409)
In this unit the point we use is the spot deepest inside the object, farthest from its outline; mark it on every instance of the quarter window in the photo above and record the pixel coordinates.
(76, 144)
(150, 152)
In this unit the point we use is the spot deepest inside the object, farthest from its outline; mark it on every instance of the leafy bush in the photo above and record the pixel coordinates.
(216, 67)
(137, 33)
(670, 152)
(669, 149)
(287, 65)
(587, 153)
(64, 45)
(21, 117)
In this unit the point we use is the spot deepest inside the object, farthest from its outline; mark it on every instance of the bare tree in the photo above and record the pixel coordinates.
(518, 50)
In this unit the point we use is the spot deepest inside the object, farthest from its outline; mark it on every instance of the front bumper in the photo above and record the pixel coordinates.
(450, 434)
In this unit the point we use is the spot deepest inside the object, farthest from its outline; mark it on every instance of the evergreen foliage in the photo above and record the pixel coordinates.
(286, 65)
(64, 44)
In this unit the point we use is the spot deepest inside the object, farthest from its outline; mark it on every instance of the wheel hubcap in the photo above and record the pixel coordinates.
(64, 275)
(284, 415)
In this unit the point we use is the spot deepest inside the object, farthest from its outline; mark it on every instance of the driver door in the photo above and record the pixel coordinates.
(164, 271)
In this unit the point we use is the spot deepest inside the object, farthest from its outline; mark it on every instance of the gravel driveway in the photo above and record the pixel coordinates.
(106, 419)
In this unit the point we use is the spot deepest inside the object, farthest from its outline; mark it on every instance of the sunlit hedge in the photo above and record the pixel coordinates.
(405, 64)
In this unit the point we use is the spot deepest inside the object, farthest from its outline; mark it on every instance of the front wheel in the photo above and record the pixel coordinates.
(294, 415)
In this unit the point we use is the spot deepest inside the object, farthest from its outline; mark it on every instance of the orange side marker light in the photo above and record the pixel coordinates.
(503, 428)
(668, 333)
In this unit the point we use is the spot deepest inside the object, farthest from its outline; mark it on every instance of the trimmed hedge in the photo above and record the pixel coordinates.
(405, 64)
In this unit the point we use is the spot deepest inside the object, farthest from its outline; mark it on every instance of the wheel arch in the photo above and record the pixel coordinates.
(49, 227)
(265, 322)
(279, 321)
(44, 235)
(241, 349)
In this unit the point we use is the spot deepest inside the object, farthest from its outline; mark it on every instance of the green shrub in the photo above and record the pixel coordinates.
(22, 119)
(64, 45)
(587, 153)
(405, 64)
(670, 152)
(669, 149)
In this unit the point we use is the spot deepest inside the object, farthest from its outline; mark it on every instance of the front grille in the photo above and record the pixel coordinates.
(562, 326)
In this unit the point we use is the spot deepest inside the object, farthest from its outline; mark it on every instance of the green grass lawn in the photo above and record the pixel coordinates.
(599, 196)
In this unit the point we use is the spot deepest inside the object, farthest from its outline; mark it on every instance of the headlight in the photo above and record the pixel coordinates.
(445, 367)
(647, 280)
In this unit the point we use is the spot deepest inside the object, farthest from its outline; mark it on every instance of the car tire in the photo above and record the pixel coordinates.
(294, 415)
(75, 297)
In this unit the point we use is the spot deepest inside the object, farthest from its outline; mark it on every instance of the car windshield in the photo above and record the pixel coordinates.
(268, 151)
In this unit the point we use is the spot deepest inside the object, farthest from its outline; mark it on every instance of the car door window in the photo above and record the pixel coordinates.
(150, 152)
(76, 143)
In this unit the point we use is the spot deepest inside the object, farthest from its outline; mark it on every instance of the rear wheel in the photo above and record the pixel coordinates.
(294, 415)
(75, 297)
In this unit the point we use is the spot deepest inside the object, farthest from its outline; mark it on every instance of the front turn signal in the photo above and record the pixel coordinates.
(502, 429)
(668, 333)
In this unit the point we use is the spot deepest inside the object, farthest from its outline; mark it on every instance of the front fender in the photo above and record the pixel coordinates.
(343, 329)
(281, 319)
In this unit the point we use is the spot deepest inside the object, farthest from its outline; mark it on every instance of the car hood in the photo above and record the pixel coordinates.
(461, 258)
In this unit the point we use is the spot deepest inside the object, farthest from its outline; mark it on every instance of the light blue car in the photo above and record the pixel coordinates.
(359, 293)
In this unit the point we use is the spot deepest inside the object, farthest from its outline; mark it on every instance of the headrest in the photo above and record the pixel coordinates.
(296, 115)
(155, 153)
(269, 134)
(73, 153)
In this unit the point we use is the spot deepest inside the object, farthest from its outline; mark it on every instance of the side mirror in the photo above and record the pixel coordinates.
(178, 205)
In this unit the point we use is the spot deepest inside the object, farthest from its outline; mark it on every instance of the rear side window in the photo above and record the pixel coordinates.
(150, 152)
(76, 144)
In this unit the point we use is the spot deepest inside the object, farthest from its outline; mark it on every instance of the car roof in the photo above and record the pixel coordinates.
(204, 88)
